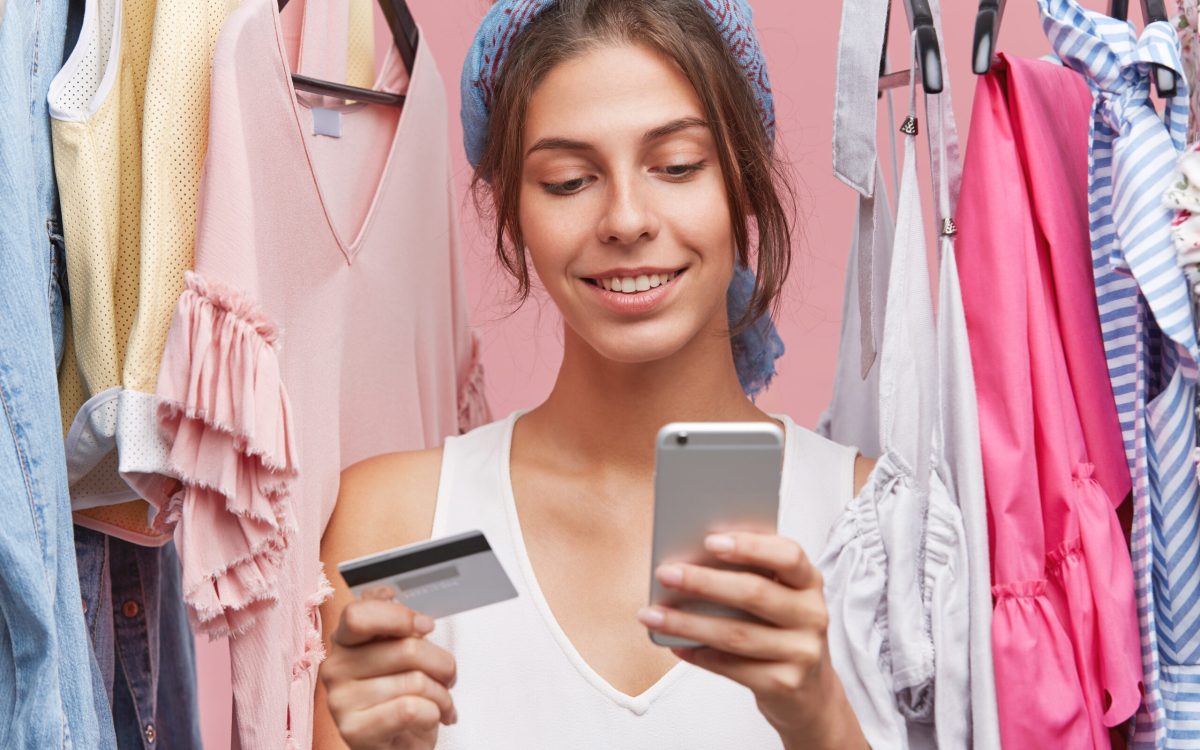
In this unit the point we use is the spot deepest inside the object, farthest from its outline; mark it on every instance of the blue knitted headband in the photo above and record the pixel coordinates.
(757, 347)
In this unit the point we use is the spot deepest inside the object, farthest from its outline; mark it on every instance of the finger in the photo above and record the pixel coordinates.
(780, 555)
(365, 620)
(381, 723)
(393, 656)
(363, 694)
(750, 639)
(763, 678)
(767, 599)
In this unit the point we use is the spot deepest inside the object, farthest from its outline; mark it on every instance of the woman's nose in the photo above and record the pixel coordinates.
(629, 214)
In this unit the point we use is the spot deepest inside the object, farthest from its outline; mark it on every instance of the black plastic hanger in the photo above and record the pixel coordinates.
(406, 38)
(987, 31)
(1152, 10)
(929, 51)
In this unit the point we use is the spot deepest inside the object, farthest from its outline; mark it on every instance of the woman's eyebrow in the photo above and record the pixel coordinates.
(558, 144)
(673, 127)
(654, 134)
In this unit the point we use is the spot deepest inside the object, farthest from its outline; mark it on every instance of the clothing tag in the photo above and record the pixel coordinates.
(327, 122)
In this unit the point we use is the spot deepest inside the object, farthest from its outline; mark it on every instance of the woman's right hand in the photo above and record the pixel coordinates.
(386, 685)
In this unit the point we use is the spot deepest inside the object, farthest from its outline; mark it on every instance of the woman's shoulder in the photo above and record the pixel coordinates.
(402, 472)
(389, 499)
(405, 484)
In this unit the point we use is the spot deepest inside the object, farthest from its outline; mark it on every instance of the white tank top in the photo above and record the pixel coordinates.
(521, 683)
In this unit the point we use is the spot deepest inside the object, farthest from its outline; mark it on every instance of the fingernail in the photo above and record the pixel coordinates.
(671, 575)
(719, 543)
(651, 616)
(423, 624)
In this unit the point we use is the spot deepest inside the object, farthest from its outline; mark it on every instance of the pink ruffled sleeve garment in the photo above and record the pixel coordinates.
(324, 323)
(1065, 635)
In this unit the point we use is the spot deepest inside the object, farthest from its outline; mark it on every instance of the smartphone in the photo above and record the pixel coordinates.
(710, 477)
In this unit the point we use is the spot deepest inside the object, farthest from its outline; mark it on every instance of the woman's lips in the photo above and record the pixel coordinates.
(634, 303)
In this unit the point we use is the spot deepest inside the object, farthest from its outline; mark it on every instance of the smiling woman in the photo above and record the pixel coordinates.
(643, 186)
(731, 121)
(624, 151)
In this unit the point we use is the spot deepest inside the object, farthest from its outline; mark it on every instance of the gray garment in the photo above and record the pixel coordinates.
(895, 567)
(852, 417)
(855, 413)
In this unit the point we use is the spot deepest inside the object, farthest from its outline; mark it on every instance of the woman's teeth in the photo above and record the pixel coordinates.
(634, 284)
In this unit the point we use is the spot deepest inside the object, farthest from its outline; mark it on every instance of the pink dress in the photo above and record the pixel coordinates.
(1065, 636)
(324, 324)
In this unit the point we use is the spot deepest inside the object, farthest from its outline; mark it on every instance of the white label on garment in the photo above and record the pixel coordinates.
(327, 122)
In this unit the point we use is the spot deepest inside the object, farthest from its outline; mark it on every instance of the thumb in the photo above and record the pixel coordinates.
(382, 593)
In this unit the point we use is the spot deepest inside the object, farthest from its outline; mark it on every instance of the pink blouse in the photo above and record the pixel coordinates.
(1065, 636)
(324, 324)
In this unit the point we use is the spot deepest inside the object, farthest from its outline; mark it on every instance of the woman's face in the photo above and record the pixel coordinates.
(623, 205)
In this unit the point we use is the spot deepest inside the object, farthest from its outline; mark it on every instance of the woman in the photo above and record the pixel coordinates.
(625, 149)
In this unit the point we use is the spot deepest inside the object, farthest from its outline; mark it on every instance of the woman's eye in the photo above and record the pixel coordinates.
(678, 171)
(567, 187)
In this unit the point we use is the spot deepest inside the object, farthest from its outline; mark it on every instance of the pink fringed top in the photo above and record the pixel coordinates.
(324, 323)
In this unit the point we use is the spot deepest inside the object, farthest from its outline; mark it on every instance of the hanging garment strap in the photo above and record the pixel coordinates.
(945, 158)
(860, 48)
(855, 158)
(944, 152)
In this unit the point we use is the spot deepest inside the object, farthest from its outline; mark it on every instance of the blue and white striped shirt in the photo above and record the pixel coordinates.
(1150, 342)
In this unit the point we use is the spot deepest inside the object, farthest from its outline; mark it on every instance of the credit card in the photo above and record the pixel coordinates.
(439, 577)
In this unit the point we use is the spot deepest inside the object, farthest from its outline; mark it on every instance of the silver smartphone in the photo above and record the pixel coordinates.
(710, 477)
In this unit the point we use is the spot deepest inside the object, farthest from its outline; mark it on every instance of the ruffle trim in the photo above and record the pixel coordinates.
(314, 645)
(224, 411)
(1031, 589)
(311, 656)
(473, 409)
(1090, 574)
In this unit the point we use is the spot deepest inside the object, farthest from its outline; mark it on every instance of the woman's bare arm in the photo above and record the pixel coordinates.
(383, 502)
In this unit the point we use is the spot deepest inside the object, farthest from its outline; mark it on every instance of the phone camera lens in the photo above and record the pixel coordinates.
(681, 438)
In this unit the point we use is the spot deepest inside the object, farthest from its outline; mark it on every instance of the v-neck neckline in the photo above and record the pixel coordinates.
(637, 704)
(640, 703)
(412, 94)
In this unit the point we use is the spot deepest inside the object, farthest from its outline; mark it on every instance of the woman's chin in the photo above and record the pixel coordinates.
(637, 344)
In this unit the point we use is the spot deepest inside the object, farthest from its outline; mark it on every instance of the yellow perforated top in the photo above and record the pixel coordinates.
(130, 129)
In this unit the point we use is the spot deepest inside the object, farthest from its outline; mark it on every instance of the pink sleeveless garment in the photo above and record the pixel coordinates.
(324, 324)
(1065, 636)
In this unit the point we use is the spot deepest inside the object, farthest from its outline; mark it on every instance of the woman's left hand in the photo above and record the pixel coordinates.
(785, 659)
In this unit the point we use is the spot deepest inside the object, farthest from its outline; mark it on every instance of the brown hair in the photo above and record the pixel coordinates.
(681, 30)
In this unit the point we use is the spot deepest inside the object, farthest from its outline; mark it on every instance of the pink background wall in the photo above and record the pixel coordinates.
(522, 350)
